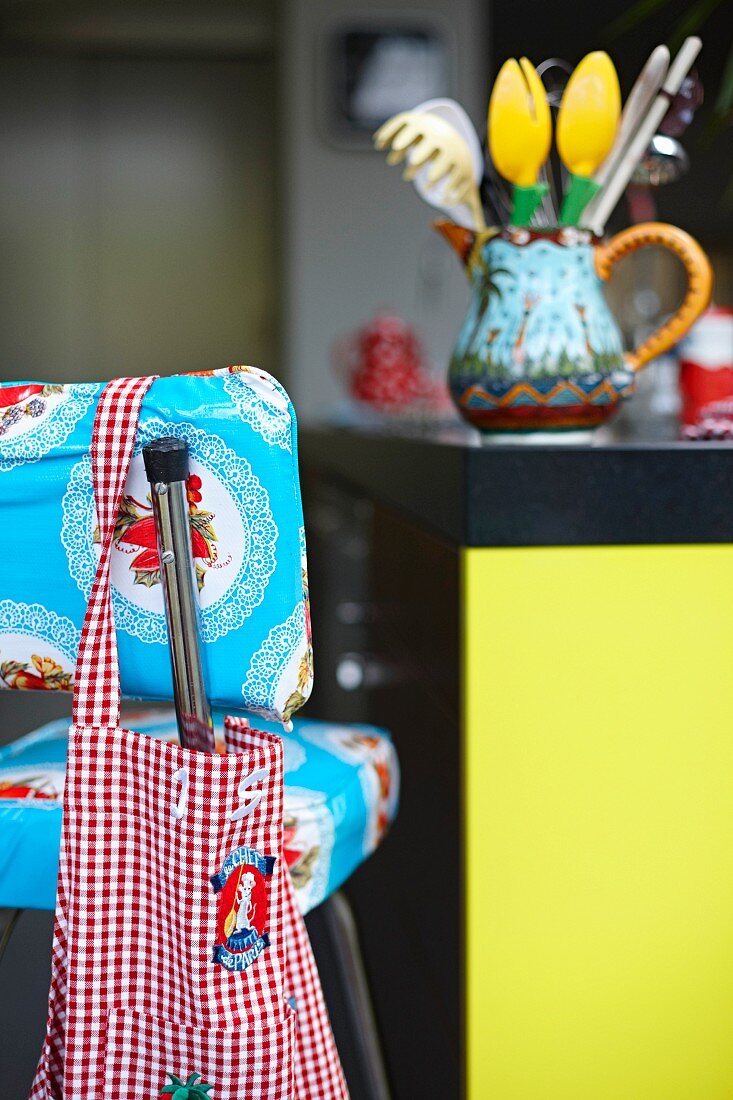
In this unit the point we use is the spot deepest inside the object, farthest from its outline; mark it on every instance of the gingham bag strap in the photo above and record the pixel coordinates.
(97, 680)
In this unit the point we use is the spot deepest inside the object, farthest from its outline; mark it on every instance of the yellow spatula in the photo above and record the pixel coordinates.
(586, 128)
(437, 153)
(520, 132)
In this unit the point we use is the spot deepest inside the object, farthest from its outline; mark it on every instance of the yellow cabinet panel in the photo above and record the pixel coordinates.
(598, 738)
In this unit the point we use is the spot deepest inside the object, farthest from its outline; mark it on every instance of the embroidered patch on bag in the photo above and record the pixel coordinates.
(242, 909)
(188, 1090)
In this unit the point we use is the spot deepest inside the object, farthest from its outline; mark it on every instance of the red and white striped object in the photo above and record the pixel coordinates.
(178, 948)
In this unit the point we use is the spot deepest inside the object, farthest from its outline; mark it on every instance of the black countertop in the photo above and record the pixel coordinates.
(603, 493)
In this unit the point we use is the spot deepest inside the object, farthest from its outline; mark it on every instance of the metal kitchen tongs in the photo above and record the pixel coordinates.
(166, 466)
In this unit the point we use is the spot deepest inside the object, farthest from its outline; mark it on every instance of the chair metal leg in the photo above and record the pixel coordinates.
(342, 931)
(8, 921)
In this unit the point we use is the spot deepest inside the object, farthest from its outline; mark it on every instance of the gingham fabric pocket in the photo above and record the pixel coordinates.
(174, 910)
(318, 1071)
(144, 1055)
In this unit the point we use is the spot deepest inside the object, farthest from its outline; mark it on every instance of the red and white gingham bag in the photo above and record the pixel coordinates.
(179, 949)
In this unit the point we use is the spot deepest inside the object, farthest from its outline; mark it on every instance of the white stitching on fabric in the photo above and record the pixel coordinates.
(181, 776)
(249, 799)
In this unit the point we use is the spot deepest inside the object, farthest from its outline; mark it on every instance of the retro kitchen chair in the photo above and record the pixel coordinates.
(341, 786)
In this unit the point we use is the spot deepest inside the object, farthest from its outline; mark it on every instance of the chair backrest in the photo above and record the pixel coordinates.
(247, 533)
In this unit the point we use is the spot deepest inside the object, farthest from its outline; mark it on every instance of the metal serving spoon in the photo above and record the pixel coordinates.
(664, 162)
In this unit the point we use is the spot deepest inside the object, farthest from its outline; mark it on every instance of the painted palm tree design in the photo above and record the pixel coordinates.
(488, 287)
(188, 1091)
(518, 352)
(581, 311)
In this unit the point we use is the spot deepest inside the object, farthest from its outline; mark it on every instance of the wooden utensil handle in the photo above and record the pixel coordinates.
(699, 281)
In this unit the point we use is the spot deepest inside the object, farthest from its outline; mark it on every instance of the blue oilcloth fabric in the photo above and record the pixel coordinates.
(341, 794)
(247, 533)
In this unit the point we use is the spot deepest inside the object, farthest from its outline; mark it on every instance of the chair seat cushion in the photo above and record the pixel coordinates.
(341, 792)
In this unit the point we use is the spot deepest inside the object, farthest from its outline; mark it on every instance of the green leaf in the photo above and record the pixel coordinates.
(201, 522)
(126, 516)
(691, 22)
(634, 15)
(199, 516)
(11, 668)
(724, 102)
(727, 200)
(293, 703)
(189, 1091)
(59, 679)
(148, 578)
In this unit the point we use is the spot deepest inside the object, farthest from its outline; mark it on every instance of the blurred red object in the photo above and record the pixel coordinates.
(384, 366)
(706, 364)
(683, 106)
(715, 423)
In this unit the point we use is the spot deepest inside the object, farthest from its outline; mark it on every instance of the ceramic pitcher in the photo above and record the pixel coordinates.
(539, 349)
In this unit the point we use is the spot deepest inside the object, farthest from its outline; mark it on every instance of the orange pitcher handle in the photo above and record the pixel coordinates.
(699, 281)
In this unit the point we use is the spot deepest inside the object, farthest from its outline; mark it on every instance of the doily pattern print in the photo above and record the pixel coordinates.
(261, 406)
(42, 417)
(36, 621)
(246, 526)
(38, 648)
(269, 662)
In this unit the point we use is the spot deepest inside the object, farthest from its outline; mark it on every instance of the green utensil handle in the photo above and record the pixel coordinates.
(526, 201)
(581, 190)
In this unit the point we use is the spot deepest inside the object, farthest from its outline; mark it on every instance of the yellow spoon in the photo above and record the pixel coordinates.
(586, 128)
(520, 132)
